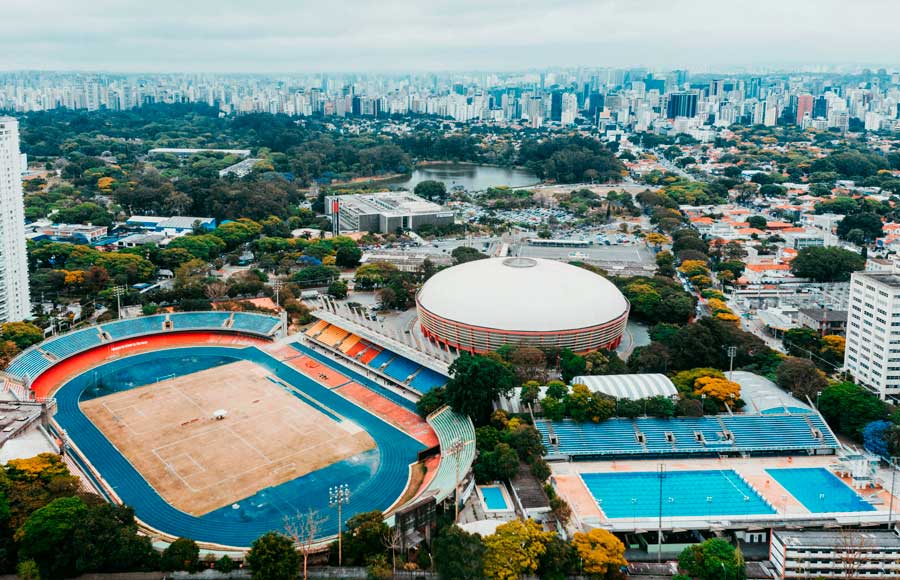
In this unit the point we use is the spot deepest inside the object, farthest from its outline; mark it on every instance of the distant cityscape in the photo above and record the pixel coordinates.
(610, 100)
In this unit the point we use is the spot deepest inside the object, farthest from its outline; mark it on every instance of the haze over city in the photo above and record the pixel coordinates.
(411, 36)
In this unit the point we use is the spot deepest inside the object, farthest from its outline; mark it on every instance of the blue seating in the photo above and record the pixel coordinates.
(68, 344)
(185, 320)
(258, 323)
(383, 357)
(400, 368)
(749, 433)
(31, 363)
(134, 326)
(426, 380)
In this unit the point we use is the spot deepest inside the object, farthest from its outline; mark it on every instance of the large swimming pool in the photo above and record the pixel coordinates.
(819, 490)
(684, 493)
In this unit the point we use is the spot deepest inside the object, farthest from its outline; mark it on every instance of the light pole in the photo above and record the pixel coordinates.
(337, 497)
(276, 285)
(893, 464)
(732, 352)
(454, 450)
(818, 394)
(118, 291)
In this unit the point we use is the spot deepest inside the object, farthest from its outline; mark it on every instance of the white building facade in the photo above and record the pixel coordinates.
(872, 352)
(15, 303)
(848, 553)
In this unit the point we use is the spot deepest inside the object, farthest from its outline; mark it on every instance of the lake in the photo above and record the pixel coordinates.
(471, 177)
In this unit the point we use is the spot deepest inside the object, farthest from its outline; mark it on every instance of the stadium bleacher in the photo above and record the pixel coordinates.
(382, 359)
(30, 363)
(200, 319)
(401, 368)
(72, 342)
(349, 343)
(332, 336)
(258, 323)
(316, 328)
(357, 348)
(134, 326)
(370, 353)
(427, 379)
(33, 362)
(450, 427)
(748, 433)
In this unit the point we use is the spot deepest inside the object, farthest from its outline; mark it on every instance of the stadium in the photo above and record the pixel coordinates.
(482, 305)
(216, 426)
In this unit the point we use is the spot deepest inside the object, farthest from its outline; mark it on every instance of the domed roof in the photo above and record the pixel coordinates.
(522, 294)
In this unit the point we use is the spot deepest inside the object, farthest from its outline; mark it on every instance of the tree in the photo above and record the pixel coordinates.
(364, 537)
(431, 189)
(22, 334)
(47, 537)
(874, 437)
(869, 226)
(475, 383)
(514, 549)
(225, 565)
(757, 222)
(714, 559)
(312, 276)
(272, 557)
(28, 570)
(463, 254)
(107, 540)
(722, 390)
(848, 408)
(665, 264)
(338, 289)
(602, 554)
(826, 264)
(801, 377)
(182, 554)
(458, 555)
(530, 393)
(304, 529)
(348, 256)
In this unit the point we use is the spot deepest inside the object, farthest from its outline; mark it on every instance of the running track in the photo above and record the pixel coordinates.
(376, 478)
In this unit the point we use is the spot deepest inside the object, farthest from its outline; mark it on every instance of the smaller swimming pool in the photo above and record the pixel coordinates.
(494, 500)
(819, 490)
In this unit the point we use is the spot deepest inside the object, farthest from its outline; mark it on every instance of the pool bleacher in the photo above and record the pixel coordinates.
(769, 433)
(450, 427)
(257, 323)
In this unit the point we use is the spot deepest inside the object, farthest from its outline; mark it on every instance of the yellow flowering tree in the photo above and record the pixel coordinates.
(721, 390)
(601, 553)
(514, 550)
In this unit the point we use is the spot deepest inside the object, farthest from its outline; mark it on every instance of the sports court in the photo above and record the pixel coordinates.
(271, 433)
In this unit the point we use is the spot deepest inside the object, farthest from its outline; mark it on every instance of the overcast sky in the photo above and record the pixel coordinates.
(417, 35)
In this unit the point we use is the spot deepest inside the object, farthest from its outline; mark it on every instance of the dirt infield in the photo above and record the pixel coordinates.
(197, 463)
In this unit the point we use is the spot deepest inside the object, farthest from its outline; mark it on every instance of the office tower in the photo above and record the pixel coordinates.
(804, 107)
(569, 108)
(556, 98)
(15, 304)
(820, 108)
(682, 104)
(872, 353)
(595, 106)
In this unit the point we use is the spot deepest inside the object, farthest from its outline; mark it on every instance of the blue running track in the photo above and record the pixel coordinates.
(376, 477)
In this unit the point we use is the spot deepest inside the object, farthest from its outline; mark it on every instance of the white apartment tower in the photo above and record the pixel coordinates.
(15, 304)
(872, 352)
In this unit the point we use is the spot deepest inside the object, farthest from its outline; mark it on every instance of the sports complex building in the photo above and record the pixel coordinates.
(216, 426)
(482, 305)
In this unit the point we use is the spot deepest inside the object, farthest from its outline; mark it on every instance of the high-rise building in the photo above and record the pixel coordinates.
(820, 108)
(556, 99)
(15, 304)
(872, 353)
(804, 107)
(682, 104)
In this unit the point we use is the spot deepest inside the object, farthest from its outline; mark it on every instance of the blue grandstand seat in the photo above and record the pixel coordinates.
(134, 326)
(258, 323)
(760, 433)
(68, 344)
(400, 368)
(383, 357)
(31, 363)
(427, 379)
(185, 320)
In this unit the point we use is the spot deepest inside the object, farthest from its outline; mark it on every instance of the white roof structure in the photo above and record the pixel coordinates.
(631, 387)
(522, 294)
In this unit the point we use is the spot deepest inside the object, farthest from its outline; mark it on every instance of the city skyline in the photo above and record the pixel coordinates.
(404, 36)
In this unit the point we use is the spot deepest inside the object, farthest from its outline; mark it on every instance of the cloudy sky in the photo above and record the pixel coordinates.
(422, 35)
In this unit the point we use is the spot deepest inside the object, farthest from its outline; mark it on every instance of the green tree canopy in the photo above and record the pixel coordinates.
(826, 264)
(475, 383)
(272, 556)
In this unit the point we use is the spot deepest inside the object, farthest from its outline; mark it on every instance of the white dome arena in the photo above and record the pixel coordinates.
(482, 305)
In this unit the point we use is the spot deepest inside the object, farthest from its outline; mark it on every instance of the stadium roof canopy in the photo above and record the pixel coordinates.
(629, 386)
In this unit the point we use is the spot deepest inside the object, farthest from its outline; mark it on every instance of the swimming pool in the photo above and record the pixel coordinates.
(684, 493)
(493, 498)
(819, 490)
